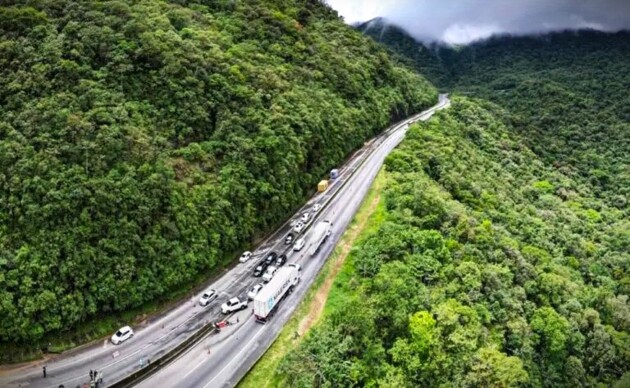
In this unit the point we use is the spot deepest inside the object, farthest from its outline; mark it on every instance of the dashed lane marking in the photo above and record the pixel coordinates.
(246, 347)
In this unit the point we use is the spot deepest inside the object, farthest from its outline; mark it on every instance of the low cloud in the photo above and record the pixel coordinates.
(463, 21)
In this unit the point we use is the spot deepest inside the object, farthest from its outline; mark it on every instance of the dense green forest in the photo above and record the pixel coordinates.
(489, 268)
(568, 97)
(143, 143)
(502, 257)
(431, 60)
(567, 94)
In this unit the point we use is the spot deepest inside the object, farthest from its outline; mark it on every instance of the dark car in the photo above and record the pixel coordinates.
(260, 268)
(281, 260)
(289, 239)
(271, 257)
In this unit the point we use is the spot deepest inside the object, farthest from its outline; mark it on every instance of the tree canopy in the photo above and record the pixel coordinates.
(503, 257)
(141, 143)
(480, 273)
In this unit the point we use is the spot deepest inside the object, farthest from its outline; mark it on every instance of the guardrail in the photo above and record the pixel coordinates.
(154, 365)
(382, 137)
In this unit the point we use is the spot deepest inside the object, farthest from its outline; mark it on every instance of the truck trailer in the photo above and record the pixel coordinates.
(267, 300)
(319, 235)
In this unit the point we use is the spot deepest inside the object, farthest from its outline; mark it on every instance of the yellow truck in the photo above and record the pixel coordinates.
(322, 186)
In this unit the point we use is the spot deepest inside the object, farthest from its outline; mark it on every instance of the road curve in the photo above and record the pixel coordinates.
(224, 357)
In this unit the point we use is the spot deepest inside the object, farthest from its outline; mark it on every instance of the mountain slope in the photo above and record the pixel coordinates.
(502, 258)
(479, 273)
(566, 93)
(430, 60)
(143, 143)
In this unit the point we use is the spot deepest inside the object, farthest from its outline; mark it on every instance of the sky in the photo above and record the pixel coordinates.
(463, 21)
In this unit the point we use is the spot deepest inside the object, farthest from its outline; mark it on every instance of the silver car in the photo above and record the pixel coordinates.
(208, 296)
(298, 227)
(254, 291)
(122, 335)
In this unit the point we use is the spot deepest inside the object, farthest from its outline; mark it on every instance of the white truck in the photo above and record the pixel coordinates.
(267, 299)
(319, 235)
(233, 305)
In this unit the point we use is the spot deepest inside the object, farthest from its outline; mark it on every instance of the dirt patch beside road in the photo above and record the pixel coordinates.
(319, 301)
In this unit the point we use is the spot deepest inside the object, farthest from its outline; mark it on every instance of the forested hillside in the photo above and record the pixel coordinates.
(567, 94)
(480, 271)
(432, 60)
(142, 143)
(568, 97)
(501, 250)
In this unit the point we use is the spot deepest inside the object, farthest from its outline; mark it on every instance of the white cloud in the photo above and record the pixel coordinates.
(358, 11)
(462, 34)
(461, 21)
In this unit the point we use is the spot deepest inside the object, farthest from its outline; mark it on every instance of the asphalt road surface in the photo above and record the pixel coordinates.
(225, 355)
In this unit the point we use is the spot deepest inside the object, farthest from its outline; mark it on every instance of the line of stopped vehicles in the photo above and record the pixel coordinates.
(278, 277)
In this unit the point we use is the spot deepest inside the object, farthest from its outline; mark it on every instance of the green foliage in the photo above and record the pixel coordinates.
(491, 368)
(564, 92)
(481, 274)
(567, 96)
(421, 57)
(143, 142)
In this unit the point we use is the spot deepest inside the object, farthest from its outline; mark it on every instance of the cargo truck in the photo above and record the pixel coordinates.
(319, 235)
(267, 300)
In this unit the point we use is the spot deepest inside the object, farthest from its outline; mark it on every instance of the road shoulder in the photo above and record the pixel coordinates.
(323, 293)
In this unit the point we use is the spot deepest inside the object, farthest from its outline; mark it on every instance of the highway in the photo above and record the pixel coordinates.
(224, 356)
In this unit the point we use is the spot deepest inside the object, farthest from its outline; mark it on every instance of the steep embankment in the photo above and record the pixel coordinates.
(142, 143)
(481, 273)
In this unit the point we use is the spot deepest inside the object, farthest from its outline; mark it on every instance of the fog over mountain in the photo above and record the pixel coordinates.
(463, 21)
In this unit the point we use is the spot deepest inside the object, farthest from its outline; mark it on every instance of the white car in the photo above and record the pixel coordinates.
(298, 227)
(232, 305)
(296, 265)
(208, 296)
(245, 257)
(271, 270)
(305, 217)
(254, 291)
(317, 207)
(122, 335)
(299, 244)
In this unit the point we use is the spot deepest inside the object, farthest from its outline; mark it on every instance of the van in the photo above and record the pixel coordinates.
(299, 244)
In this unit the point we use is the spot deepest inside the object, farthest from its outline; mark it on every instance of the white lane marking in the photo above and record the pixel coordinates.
(193, 369)
(246, 347)
(146, 346)
(203, 360)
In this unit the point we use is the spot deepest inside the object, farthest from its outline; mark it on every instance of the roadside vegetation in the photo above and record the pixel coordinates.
(491, 268)
(143, 142)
